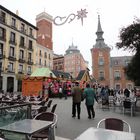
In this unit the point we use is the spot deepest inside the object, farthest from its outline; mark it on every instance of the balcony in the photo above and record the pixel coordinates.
(23, 30)
(12, 58)
(21, 60)
(29, 72)
(14, 26)
(31, 35)
(22, 45)
(3, 38)
(13, 42)
(30, 48)
(117, 78)
(20, 71)
(101, 78)
(30, 62)
(11, 70)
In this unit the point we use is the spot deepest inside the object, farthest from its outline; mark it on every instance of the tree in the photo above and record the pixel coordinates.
(130, 40)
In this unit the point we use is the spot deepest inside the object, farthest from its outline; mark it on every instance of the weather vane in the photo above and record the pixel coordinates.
(62, 20)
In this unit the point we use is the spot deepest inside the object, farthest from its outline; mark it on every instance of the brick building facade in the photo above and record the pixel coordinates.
(108, 70)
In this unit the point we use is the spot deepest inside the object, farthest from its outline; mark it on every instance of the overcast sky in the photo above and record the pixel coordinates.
(114, 14)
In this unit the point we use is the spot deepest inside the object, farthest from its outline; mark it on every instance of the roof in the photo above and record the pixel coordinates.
(81, 74)
(43, 72)
(13, 14)
(72, 49)
(61, 74)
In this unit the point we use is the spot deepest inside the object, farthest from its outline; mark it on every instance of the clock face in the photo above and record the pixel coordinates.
(45, 31)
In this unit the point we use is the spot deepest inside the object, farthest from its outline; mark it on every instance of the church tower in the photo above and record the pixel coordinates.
(44, 33)
(101, 58)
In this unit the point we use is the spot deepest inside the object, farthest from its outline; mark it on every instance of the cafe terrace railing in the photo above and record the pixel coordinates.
(13, 111)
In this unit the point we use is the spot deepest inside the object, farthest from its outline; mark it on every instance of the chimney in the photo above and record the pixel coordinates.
(17, 12)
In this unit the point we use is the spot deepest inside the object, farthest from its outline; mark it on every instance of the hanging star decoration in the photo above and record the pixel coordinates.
(81, 15)
(62, 20)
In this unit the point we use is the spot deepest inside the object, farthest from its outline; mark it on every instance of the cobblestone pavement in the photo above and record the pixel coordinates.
(68, 127)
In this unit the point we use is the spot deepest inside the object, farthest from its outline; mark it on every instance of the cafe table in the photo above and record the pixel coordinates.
(26, 127)
(105, 134)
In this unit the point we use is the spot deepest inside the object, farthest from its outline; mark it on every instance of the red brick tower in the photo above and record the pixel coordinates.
(44, 33)
(101, 58)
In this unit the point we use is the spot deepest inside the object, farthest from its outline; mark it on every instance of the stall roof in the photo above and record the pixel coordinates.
(43, 72)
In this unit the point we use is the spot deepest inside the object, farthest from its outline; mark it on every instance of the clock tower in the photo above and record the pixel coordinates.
(101, 58)
(44, 33)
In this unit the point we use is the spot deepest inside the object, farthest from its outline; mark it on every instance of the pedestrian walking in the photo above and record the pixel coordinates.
(90, 95)
(65, 90)
(76, 100)
(60, 91)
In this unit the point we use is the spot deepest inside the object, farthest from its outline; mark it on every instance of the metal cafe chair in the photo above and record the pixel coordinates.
(128, 105)
(49, 103)
(47, 132)
(53, 108)
(114, 124)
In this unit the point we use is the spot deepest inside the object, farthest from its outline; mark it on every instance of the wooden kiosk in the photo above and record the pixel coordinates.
(35, 84)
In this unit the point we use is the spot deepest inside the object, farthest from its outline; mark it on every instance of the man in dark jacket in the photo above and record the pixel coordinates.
(76, 98)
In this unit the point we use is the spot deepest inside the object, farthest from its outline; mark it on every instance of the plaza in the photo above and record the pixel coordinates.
(70, 128)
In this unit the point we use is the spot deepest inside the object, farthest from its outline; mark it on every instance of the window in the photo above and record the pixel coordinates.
(39, 61)
(2, 33)
(117, 75)
(45, 63)
(29, 56)
(40, 53)
(49, 56)
(116, 62)
(10, 66)
(30, 44)
(100, 54)
(21, 40)
(20, 68)
(12, 37)
(29, 70)
(22, 27)
(118, 86)
(127, 62)
(101, 61)
(12, 51)
(2, 16)
(21, 54)
(101, 75)
(13, 23)
(1, 50)
(45, 54)
(130, 86)
(31, 32)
